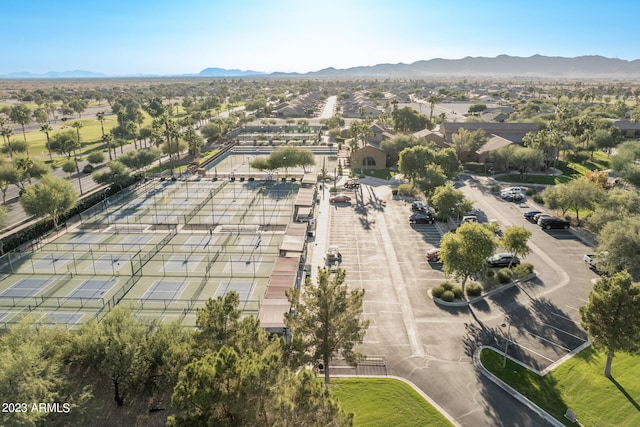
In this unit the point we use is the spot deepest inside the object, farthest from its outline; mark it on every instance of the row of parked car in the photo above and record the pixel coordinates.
(503, 259)
(545, 220)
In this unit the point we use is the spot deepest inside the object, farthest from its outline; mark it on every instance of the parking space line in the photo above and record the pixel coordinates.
(572, 308)
(561, 316)
(546, 340)
(531, 351)
(565, 332)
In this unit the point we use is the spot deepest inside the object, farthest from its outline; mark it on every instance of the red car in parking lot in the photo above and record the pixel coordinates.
(340, 198)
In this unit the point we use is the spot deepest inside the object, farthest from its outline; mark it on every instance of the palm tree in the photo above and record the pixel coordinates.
(77, 126)
(6, 134)
(24, 164)
(107, 139)
(21, 114)
(433, 100)
(46, 129)
(100, 117)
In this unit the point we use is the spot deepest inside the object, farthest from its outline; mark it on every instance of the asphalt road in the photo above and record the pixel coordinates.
(433, 346)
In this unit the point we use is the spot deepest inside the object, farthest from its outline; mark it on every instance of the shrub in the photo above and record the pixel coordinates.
(531, 192)
(490, 273)
(437, 292)
(447, 296)
(406, 190)
(233, 178)
(293, 180)
(538, 198)
(87, 169)
(474, 289)
(475, 167)
(504, 275)
(394, 192)
(283, 179)
(495, 188)
(447, 288)
(522, 269)
(251, 178)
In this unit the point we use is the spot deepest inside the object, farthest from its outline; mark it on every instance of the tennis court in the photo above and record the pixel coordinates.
(163, 248)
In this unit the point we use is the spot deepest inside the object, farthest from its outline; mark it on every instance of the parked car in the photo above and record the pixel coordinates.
(537, 217)
(515, 189)
(339, 198)
(553, 222)
(503, 260)
(352, 183)
(469, 218)
(529, 214)
(433, 255)
(419, 206)
(422, 218)
(514, 196)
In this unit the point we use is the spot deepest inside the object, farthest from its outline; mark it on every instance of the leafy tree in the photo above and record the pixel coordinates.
(52, 196)
(413, 161)
(32, 370)
(449, 202)
(612, 316)
(580, 194)
(432, 178)
(515, 240)
(395, 145)
(618, 204)
(285, 157)
(448, 160)
(464, 253)
(118, 174)
(95, 157)
(69, 166)
(21, 114)
(620, 240)
(469, 140)
(126, 351)
(407, 119)
(477, 108)
(9, 174)
(65, 142)
(326, 320)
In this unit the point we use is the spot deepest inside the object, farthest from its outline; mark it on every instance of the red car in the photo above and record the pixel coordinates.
(433, 255)
(340, 198)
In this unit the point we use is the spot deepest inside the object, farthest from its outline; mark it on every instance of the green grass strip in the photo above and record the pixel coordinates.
(578, 384)
(385, 402)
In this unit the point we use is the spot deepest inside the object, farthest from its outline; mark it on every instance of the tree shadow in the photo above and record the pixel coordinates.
(624, 393)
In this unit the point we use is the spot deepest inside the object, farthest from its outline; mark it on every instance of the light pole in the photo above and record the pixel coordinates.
(506, 344)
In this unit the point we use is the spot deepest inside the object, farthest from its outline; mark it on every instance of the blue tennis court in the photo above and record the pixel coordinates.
(136, 239)
(63, 318)
(243, 289)
(203, 241)
(25, 288)
(109, 262)
(165, 290)
(92, 289)
(52, 262)
(179, 263)
(246, 264)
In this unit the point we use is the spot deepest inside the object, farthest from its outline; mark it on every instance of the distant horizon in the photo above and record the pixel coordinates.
(246, 72)
(131, 37)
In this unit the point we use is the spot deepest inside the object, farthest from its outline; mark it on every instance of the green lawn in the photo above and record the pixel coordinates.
(384, 402)
(580, 385)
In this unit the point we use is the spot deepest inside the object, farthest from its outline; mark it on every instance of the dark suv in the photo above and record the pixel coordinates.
(553, 222)
(503, 260)
(425, 217)
(418, 206)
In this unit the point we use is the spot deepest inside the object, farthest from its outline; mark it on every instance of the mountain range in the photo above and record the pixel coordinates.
(591, 66)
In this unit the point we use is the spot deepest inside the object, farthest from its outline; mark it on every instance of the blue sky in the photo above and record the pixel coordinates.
(185, 36)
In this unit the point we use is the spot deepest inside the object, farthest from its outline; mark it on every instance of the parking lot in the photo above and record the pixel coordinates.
(432, 345)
